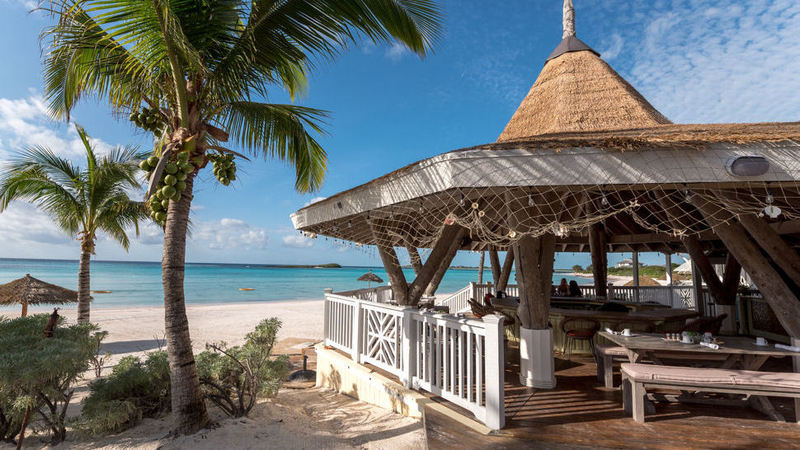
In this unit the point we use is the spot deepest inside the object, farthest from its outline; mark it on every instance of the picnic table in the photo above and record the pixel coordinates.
(734, 352)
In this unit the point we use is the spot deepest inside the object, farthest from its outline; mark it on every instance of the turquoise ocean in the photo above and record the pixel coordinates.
(139, 283)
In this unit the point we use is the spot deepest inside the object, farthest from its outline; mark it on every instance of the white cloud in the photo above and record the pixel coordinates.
(297, 241)
(229, 233)
(397, 51)
(314, 200)
(25, 121)
(713, 61)
(613, 47)
(23, 222)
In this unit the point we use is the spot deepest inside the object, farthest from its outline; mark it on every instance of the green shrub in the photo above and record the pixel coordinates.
(234, 377)
(37, 373)
(134, 389)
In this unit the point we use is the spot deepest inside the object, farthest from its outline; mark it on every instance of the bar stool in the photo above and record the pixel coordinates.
(579, 333)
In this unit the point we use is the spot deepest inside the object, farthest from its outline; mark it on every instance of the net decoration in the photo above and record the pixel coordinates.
(497, 217)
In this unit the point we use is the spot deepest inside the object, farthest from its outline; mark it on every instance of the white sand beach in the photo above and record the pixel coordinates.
(137, 329)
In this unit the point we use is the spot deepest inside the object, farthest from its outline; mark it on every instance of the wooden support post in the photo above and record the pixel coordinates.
(505, 274)
(697, 287)
(535, 278)
(700, 260)
(668, 268)
(635, 276)
(795, 342)
(480, 267)
(494, 261)
(777, 293)
(416, 261)
(495, 371)
(444, 266)
(450, 234)
(24, 308)
(598, 246)
(730, 282)
(391, 263)
(778, 250)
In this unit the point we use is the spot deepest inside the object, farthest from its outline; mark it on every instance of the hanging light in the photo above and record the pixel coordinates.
(530, 200)
(349, 224)
(421, 207)
(462, 202)
(688, 195)
(368, 220)
(604, 201)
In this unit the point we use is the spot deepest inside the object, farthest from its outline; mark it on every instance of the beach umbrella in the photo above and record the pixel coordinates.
(370, 278)
(31, 291)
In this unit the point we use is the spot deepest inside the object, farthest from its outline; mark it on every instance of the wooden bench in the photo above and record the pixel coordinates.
(605, 362)
(637, 378)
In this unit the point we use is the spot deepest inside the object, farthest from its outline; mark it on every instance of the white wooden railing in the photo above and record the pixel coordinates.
(380, 294)
(672, 296)
(458, 359)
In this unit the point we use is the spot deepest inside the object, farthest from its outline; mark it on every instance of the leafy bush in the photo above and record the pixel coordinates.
(234, 377)
(99, 358)
(37, 373)
(134, 389)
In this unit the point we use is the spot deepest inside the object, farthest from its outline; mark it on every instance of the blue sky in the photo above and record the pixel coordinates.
(696, 61)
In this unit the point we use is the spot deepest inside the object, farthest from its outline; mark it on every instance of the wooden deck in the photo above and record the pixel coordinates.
(580, 413)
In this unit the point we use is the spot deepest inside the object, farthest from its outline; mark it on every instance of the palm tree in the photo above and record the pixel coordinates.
(190, 71)
(81, 201)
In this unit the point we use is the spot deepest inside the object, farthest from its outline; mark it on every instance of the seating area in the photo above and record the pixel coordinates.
(638, 378)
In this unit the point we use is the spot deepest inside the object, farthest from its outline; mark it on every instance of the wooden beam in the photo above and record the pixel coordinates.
(443, 267)
(391, 263)
(695, 249)
(494, 261)
(416, 261)
(730, 281)
(776, 292)
(480, 267)
(534, 258)
(450, 234)
(505, 274)
(597, 244)
(778, 250)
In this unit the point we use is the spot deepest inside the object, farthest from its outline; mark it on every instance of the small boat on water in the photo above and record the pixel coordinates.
(246, 289)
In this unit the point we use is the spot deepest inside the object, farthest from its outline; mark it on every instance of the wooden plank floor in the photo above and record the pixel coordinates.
(580, 413)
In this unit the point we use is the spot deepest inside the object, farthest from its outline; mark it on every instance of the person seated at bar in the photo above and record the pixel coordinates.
(574, 289)
(563, 288)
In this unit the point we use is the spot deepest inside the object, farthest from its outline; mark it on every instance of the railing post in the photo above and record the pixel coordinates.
(327, 316)
(355, 352)
(495, 380)
(410, 346)
(474, 291)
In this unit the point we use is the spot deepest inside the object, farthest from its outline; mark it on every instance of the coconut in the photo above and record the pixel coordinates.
(180, 186)
(183, 157)
(171, 168)
(152, 161)
(167, 191)
(161, 216)
(181, 176)
(170, 180)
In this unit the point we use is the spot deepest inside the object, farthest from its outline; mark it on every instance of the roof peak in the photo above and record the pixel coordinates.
(568, 21)
(569, 41)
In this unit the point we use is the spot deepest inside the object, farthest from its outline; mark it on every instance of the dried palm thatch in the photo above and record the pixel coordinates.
(370, 277)
(578, 91)
(32, 291)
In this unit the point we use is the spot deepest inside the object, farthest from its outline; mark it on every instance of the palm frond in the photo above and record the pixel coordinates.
(279, 131)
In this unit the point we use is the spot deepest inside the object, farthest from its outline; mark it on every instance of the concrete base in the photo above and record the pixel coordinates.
(537, 367)
(340, 373)
(729, 324)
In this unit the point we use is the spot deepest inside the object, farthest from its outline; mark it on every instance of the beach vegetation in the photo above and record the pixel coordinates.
(100, 357)
(135, 389)
(192, 73)
(233, 378)
(38, 372)
(82, 201)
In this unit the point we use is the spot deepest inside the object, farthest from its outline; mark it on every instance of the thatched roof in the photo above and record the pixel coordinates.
(35, 292)
(578, 91)
(371, 277)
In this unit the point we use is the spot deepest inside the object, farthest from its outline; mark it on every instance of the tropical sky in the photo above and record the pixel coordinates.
(696, 61)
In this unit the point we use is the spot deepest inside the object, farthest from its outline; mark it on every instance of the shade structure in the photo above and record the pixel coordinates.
(32, 291)
(370, 278)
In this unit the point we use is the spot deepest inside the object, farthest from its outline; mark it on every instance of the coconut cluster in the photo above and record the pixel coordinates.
(171, 185)
(148, 119)
(224, 168)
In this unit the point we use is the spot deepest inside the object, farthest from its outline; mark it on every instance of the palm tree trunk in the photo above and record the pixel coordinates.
(84, 283)
(188, 408)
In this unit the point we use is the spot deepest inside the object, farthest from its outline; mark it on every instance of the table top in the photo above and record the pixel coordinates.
(730, 345)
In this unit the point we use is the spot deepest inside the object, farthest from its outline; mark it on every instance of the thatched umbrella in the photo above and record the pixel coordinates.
(370, 278)
(31, 291)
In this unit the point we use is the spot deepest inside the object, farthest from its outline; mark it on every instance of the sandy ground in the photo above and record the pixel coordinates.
(134, 330)
(297, 418)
